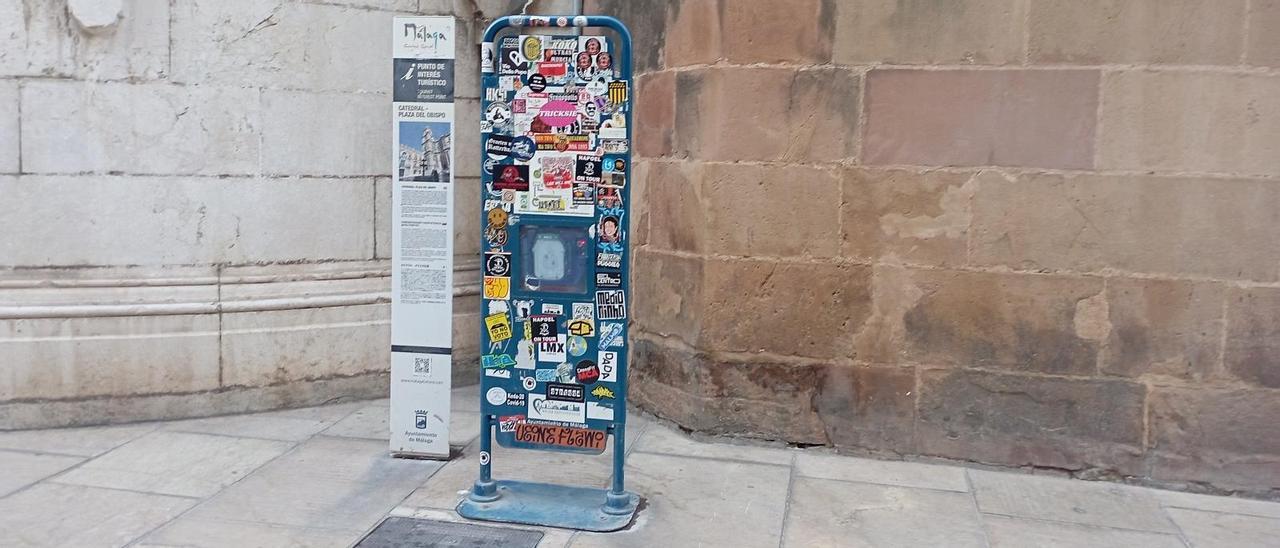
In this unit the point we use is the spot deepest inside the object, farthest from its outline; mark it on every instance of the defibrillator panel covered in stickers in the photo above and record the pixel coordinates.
(555, 227)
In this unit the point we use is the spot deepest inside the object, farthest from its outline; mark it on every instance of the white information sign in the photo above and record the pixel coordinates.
(422, 235)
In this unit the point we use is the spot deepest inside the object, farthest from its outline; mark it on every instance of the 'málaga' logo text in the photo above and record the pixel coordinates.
(422, 34)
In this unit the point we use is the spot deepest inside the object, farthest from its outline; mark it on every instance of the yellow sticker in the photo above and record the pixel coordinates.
(497, 287)
(528, 330)
(499, 326)
(582, 328)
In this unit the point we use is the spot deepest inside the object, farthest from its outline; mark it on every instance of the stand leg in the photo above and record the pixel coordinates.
(618, 501)
(485, 489)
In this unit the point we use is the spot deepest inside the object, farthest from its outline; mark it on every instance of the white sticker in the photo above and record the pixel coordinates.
(484, 458)
(552, 351)
(529, 383)
(496, 396)
(608, 366)
(487, 58)
(599, 411)
(550, 410)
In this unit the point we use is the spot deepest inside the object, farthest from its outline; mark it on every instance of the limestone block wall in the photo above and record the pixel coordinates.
(194, 204)
(1021, 232)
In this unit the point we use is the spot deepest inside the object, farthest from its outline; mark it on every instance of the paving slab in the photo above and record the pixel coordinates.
(85, 517)
(902, 474)
(700, 502)
(85, 442)
(177, 463)
(188, 532)
(271, 426)
(551, 537)
(326, 483)
(664, 440)
(1218, 530)
(18, 470)
(1230, 505)
(1071, 501)
(1019, 533)
(837, 513)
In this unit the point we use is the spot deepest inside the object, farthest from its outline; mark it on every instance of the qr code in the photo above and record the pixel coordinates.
(421, 366)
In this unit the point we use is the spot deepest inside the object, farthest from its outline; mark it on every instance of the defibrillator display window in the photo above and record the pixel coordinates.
(554, 259)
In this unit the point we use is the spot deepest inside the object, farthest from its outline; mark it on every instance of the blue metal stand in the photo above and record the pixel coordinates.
(551, 505)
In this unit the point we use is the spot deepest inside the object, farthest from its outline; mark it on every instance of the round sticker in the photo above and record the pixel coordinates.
(576, 345)
(499, 113)
(484, 458)
(537, 83)
(531, 47)
(580, 21)
(496, 396)
(529, 383)
(597, 87)
(523, 148)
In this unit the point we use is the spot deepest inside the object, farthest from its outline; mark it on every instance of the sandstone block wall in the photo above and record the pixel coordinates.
(1020, 232)
(194, 204)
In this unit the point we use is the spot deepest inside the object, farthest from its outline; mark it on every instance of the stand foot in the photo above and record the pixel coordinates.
(564, 506)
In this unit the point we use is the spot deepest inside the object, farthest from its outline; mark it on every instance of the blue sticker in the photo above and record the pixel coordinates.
(545, 375)
(496, 361)
(610, 335)
(523, 149)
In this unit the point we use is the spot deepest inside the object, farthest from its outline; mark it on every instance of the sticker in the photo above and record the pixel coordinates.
(610, 232)
(578, 438)
(516, 399)
(565, 373)
(618, 92)
(581, 328)
(496, 396)
(608, 366)
(511, 177)
(509, 56)
(541, 408)
(610, 335)
(523, 309)
(498, 114)
(611, 304)
(558, 114)
(498, 146)
(609, 260)
(496, 231)
(552, 351)
(529, 383)
(576, 345)
(499, 327)
(496, 361)
(497, 287)
(566, 392)
(583, 193)
(523, 149)
(487, 57)
(498, 373)
(557, 171)
(524, 354)
(597, 86)
(608, 279)
(600, 411)
(545, 375)
(497, 263)
(580, 21)
(608, 197)
(544, 328)
(531, 47)
(484, 458)
(587, 169)
(602, 393)
(537, 83)
(509, 422)
(587, 372)
(550, 308)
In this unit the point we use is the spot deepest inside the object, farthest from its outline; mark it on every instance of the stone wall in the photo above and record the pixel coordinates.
(194, 203)
(1021, 232)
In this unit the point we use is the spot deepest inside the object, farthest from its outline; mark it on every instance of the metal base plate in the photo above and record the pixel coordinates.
(563, 506)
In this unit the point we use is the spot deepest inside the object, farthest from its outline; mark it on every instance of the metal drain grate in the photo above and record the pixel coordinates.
(399, 532)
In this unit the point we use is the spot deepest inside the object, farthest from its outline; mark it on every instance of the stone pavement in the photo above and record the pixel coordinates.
(321, 477)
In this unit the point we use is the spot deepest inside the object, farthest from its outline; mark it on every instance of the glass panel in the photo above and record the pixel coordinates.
(554, 259)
